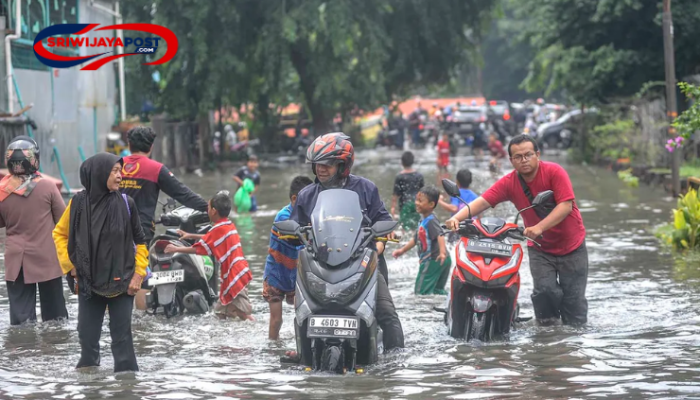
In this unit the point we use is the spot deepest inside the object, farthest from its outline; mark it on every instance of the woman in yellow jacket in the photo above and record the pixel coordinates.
(102, 249)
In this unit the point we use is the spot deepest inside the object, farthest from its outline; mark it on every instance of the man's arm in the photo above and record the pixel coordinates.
(477, 207)
(560, 212)
(495, 195)
(178, 191)
(298, 212)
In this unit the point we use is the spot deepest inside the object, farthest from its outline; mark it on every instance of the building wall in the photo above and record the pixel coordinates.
(66, 107)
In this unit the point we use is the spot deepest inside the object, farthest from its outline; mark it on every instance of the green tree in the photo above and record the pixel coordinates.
(595, 50)
(338, 56)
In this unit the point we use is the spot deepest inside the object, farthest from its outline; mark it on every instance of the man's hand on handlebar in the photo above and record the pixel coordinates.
(533, 232)
(452, 224)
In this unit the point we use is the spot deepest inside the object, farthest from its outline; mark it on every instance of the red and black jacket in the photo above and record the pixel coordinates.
(143, 179)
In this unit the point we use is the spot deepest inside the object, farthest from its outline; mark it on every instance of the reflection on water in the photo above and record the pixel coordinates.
(642, 340)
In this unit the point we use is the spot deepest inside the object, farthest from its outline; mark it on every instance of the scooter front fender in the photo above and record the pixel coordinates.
(481, 302)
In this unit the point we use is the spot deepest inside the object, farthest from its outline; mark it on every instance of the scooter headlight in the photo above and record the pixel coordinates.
(340, 292)
(463, 257)
(513, 263)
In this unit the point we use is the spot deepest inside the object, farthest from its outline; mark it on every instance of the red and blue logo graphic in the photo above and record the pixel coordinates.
(144, 45)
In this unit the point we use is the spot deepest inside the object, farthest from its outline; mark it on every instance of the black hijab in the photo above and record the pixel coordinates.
(100, 242)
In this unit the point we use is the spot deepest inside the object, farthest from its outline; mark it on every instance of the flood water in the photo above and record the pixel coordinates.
(642, 340)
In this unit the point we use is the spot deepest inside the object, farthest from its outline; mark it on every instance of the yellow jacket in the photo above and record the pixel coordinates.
(60, 237)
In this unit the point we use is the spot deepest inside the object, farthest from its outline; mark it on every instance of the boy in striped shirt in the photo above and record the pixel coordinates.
(223, 244)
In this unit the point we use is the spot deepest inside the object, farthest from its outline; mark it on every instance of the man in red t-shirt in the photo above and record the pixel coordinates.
(563, 254)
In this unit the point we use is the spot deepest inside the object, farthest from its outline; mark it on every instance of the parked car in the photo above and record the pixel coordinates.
(466, 119)
(560, 134)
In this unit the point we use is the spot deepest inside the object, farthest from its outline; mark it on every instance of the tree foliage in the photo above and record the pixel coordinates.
(688, 123)
(597, 50)
(336, 56)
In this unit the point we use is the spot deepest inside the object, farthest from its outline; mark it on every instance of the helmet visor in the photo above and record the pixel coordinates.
(324, 162)
(22, 145)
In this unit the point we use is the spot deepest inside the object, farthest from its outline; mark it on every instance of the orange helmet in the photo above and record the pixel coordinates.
(332, 148)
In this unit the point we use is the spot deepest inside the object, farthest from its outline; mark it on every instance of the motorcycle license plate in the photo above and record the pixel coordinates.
(162, 277)
(466, 126)
(333, 327)
(490, 248)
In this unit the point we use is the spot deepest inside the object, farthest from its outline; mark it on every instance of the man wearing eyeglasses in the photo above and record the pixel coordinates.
(560, 267)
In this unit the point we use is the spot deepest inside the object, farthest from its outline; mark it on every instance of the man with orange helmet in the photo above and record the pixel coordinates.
(331, 157)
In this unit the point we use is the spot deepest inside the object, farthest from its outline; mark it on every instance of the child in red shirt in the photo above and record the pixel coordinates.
(223, 244)
(443, 146)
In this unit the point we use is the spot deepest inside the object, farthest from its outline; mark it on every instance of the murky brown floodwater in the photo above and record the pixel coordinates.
(642, 340)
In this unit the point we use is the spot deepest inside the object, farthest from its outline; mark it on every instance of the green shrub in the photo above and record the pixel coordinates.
(627, 177)
(684, 233)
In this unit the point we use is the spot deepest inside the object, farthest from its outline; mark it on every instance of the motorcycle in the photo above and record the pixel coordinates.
(180, 282)
(336, 291)
(486, 281)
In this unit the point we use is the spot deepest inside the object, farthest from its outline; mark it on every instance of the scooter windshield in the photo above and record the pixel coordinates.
(336, 221)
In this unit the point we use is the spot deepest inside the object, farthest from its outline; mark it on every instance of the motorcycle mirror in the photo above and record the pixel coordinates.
(450, 187)
(383, 228)
(288, 227)
(542, 197)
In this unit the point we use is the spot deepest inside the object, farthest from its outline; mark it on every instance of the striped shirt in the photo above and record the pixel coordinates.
(224, 245)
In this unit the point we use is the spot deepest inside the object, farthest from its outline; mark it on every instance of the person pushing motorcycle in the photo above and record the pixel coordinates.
(560, 266)
(331, 157)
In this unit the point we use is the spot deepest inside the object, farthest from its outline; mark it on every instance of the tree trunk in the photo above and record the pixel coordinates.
(262, 114)
(582, 132)
(318, 113)
(203, 129)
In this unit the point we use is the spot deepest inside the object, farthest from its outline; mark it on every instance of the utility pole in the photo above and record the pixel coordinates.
(671, 105)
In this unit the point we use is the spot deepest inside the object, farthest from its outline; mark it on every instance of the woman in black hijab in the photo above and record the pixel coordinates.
(102, 247)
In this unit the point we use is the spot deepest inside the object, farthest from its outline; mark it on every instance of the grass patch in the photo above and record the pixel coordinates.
(690, 170)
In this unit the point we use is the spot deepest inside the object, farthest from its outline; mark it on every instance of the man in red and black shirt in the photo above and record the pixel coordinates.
(143, 178)
(560, 267)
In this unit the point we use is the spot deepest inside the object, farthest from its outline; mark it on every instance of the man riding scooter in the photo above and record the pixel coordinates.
(143, 178)
(331, 157)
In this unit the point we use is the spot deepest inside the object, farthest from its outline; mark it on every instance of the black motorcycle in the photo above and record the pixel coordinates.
(180, 282)
(336, 291)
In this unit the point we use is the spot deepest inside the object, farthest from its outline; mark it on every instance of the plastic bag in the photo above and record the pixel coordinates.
(242, 199)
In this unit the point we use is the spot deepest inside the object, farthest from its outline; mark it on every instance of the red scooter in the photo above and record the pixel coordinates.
(486, 281)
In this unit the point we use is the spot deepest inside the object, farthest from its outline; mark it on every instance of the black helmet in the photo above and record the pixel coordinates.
(22, 156)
